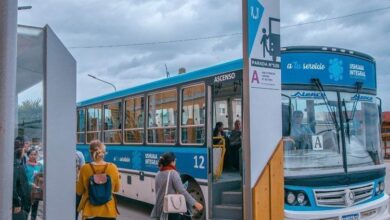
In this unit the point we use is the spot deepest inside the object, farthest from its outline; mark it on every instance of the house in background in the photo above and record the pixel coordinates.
(386, 133)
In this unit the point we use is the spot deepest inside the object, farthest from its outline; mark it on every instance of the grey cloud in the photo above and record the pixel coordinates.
(94, 22)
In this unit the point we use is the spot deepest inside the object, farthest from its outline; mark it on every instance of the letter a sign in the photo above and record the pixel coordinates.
(317, 142)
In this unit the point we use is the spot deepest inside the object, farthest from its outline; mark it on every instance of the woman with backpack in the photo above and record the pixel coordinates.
(173, 185)
(97, 182)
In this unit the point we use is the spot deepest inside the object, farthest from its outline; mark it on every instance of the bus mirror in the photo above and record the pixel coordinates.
(286, 115)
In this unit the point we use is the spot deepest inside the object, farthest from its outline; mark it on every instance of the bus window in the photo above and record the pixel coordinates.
(162, 110)
(113, 122)
(81, 126)
(94, 116)
(193, 115)
(134, 120)
(236, 110)
(221, 112)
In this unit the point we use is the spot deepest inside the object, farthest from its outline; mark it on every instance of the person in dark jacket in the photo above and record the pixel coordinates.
(21, 200)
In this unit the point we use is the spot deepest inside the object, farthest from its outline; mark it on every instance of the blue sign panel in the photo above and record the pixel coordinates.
(332, 69)
(192, 161)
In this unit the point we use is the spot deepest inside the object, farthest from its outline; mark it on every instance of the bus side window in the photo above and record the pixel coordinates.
(81, 126)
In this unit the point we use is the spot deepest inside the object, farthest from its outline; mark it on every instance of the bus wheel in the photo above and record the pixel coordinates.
(196, 192)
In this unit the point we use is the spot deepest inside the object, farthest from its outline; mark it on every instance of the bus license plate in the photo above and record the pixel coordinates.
(350, 217)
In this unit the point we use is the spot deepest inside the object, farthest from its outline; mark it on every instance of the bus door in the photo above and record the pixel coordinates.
(225, 149)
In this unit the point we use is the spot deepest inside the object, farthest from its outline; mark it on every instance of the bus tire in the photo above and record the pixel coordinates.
(195, 191)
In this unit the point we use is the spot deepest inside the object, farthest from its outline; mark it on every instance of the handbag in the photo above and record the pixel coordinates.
(37, 192)
(174, 203)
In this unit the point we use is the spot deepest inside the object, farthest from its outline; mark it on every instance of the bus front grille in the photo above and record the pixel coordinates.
(343, 197)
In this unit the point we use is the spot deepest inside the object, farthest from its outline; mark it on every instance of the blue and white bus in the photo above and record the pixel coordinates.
(333, 165)
(174, 114)
(331, 124)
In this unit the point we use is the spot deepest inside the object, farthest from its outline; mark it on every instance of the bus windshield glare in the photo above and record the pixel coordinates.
(362, 128)
(313, 140)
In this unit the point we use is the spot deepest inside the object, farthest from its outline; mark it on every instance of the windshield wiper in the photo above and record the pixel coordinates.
(348, 120)
(332, 113)
(359, 86)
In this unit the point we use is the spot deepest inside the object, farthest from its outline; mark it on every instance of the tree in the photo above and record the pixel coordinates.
(30, 114)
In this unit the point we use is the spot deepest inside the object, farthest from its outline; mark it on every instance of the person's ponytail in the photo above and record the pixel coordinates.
(97, 150)
(166, 159)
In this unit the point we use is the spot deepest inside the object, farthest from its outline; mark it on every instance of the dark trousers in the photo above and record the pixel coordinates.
(34, 209)
(174, 216)
(22, 215)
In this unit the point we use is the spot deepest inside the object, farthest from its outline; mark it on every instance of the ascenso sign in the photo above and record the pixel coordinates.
(330, 68)
(225, 77)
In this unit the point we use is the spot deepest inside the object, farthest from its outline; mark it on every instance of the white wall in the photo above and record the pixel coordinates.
(60, 133)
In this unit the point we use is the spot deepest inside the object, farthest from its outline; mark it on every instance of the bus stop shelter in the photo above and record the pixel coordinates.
(37, 99)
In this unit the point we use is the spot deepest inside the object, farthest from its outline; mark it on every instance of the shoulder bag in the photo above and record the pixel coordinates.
(174, 203)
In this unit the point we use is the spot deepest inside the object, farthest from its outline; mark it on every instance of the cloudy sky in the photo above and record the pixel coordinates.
(120, 40)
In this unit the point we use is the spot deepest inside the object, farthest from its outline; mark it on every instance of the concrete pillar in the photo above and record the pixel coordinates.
(8, 37)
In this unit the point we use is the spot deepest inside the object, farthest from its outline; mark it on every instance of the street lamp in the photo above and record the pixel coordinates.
(92, 76)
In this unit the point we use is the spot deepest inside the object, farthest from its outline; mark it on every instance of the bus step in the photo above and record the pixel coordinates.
(232, 197)
(230, 211)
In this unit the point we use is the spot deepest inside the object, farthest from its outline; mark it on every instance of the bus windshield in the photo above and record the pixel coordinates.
(361, 123)
(313, 141)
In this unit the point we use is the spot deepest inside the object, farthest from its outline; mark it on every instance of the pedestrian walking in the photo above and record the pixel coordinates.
(173, 185)
(34, 173)
(97, 182)
(21, 200)
(25, 142)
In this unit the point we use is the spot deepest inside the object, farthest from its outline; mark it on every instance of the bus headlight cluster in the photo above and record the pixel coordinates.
(296, 198)
(380, 187)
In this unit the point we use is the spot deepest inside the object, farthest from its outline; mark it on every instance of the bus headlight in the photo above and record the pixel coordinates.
(290, 198)
(301, 198)
(296, 198)
(380, 187)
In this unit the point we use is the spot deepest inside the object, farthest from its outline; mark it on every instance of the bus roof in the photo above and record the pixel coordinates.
(226, 67)
(328, 50)
(198, 74)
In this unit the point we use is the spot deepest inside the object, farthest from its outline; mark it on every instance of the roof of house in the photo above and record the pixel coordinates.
(386, 116)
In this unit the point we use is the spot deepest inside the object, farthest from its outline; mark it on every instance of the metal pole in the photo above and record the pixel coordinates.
(247, 191)
(92, 76)
(8, 37)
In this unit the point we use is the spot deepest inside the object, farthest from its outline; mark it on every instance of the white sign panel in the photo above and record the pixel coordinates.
(264, 82)
(317, 142)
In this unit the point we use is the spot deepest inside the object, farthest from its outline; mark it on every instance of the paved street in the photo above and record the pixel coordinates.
(130, 209)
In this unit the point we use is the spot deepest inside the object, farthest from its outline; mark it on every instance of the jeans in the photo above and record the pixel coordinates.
(34, 209)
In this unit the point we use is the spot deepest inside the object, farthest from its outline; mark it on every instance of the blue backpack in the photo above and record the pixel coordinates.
(100, 187)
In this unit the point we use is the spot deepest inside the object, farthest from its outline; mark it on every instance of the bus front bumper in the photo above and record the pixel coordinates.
(377, 209)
